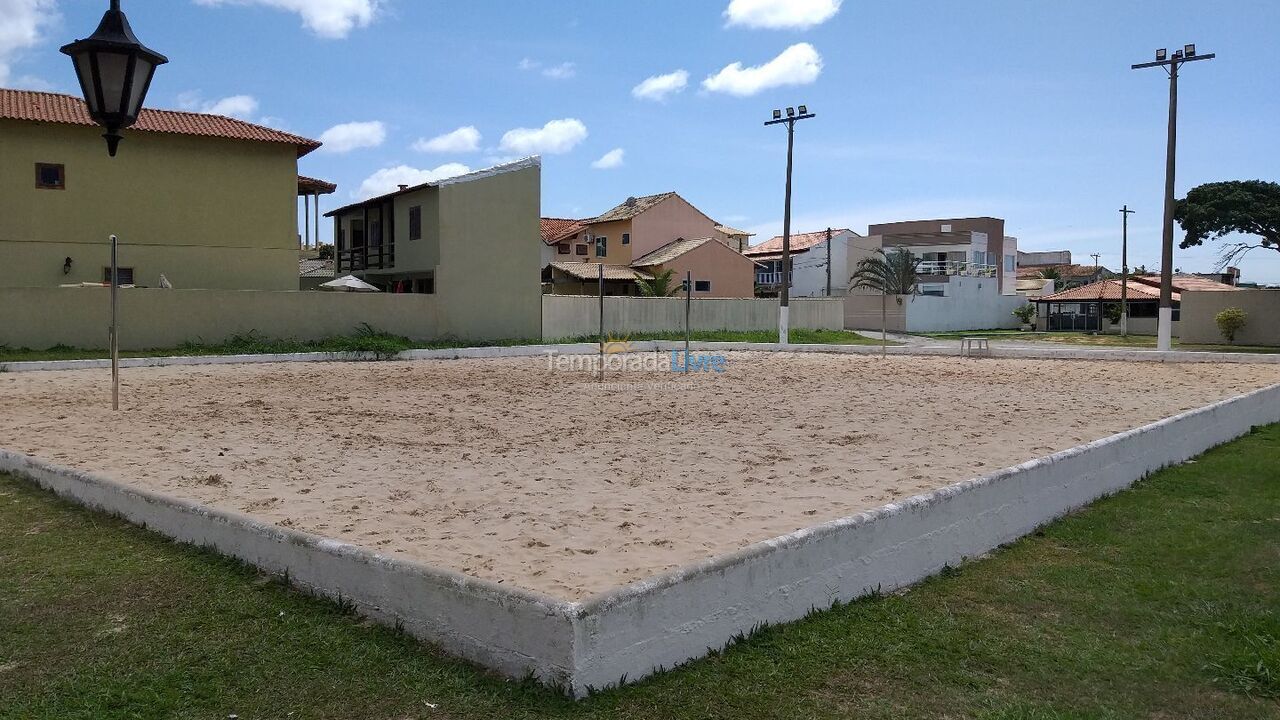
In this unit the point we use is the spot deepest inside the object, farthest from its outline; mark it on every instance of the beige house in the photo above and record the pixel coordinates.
(717, 271)
(465, 239)
(637, 226)
(205, 200)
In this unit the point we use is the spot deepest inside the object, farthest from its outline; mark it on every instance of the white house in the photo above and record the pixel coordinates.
(821, 262)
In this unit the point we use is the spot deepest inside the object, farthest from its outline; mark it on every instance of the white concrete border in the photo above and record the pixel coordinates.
(514, 631)
(1047, 353)
(660, 622)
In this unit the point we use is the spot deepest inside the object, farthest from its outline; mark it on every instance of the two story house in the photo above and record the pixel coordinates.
(207, 201)
(821, 262)
(954, 248)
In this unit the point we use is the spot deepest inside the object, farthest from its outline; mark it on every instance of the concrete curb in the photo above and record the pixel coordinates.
(1175, 356)
(514, 631)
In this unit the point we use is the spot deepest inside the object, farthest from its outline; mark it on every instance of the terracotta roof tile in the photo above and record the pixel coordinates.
(591, 271)
(1108, 290)
(312, 186)
(733, 232)
(799, 242)
(669, 252)
(556, 229)
(1186, 283)
(632, 207)
(68, 110)
(312, 267)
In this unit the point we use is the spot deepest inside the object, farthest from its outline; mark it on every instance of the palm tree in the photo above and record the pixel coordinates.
(888, 273)
(659, 286)
(1051, 273)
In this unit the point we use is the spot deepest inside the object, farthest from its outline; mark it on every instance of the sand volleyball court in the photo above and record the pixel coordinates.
(527, 474)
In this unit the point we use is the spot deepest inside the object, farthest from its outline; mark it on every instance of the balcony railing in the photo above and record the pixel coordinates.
(955, 267)
(769, 278)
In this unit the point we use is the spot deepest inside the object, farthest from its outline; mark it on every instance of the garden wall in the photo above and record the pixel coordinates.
(1261, 328)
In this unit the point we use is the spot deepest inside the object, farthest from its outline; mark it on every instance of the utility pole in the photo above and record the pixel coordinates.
(1125, 212)
(1097, 276)
(1164, 334)
(828, 262)
(784, 297)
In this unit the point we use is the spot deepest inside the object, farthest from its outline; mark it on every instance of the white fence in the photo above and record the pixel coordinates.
(569, 316)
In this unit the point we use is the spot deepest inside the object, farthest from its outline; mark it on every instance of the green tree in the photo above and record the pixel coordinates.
(1051, 273)
(1026, 314)
(888, 273)
(660, 286)
(1215, 210)
(1230, 322)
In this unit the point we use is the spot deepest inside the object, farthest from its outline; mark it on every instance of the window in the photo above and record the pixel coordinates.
(562, 248)
(426, 286)
(1008, 263)
(580, 250)
(357, 233)
(51, 177)
(415, 222)
(946, 228)
(626, 238)
(124, 274)
(602, 245)
(702, 286)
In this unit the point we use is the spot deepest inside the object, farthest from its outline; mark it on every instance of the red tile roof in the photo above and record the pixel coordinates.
(1108, 290)
(312, 186)
(556, 229)
(1186, 283)
(1068, 272)
(68, 110)
(799, 242)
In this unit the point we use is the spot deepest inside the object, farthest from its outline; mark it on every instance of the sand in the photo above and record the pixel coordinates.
(509, 470)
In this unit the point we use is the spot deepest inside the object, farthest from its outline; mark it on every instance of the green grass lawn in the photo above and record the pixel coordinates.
(377, 342)
(1089, 340)
(1159, 602)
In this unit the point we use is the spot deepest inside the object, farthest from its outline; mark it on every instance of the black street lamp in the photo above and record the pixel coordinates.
(115, 72)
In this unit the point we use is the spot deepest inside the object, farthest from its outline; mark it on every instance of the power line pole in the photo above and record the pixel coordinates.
(1164, 334)
(828, 262)
(784, 297)
(1125, 212)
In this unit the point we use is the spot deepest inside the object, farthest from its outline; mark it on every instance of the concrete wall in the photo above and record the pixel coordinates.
(863, 312)
(972, 304)
(1262, 326)
(43, 317)
(566, 316)
(205, 212)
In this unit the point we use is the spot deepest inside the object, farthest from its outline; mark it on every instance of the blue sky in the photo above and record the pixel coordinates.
(1023, 110)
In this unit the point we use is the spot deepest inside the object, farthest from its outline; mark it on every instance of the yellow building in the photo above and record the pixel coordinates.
(207, 201)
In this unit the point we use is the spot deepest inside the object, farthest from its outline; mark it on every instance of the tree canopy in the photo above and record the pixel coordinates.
(1247, 207)
(891, 273)
(661, 285)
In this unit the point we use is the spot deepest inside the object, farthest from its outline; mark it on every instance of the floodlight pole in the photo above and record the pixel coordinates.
(1125, 212)
(688, 307)
(115, 326)
(601, 369)
(784, 296)
(1171, 64)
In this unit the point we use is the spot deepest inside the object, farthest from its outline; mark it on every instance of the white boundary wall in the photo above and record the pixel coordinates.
(572, 316)
(638, 629)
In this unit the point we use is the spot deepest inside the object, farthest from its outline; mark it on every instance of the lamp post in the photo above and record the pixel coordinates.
(115, 72)
(1164, 333)
(1125, 212)
(784, 297)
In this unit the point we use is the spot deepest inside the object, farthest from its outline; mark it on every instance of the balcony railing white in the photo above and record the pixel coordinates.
(955, 267)
(769, 278)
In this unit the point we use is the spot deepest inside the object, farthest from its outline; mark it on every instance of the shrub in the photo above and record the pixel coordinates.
(1026, 313)
(1230, 321)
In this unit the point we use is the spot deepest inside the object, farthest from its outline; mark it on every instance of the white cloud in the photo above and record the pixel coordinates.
(464, 139)
(326, 18)
(780, 14)
(390, 179)
(659, 87)
(554, 138)
(609, 160)
(22, 28)
(799, 64)
(563, 71)
(352, 136)
(236, 106)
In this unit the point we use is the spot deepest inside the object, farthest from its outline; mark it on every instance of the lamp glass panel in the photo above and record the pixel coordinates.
(142, 72)
(112, 68)
(84, 69)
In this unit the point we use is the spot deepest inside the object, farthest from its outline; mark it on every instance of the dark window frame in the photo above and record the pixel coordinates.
(626, 238)
(62, 176)
(602, 246)
(563, 248)
(580, 250)
(415, 222)
(125, 275)
(702, 286)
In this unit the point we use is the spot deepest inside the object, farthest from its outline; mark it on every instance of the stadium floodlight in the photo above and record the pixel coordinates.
(777, 114)
(784, 292)
(1162, 54)
(791, 112)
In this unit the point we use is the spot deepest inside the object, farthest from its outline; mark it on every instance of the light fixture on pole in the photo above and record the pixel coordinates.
(115, 72)
(784, 296)
(1164, 332)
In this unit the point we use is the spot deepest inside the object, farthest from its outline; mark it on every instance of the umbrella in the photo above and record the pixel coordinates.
(349, 283)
